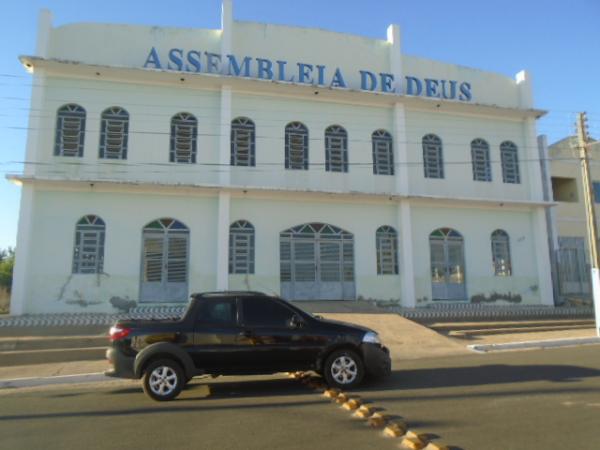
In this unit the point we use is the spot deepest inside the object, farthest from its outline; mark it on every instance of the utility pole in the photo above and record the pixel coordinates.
(583, 143)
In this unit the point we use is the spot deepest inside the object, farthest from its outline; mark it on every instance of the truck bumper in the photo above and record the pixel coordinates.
(122, 365)
(377, 360)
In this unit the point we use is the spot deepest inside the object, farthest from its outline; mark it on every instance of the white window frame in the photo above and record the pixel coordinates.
(386, 244)
(70, 131)
(480, 160)
(243, 142)
(114, 133)
(88, 248)
(184, 137)
(296, 146)
(336, 149)
(241, 248)
(383, 152)
(433, 156)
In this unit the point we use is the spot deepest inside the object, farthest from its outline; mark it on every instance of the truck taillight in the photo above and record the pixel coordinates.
(116, 332)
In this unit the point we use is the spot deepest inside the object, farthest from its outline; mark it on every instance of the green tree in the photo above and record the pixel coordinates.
(7, 263)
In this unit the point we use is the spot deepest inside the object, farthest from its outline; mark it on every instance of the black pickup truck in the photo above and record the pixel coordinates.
(235, 333)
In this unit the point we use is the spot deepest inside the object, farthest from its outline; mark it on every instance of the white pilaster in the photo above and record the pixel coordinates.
(540, 235)
(394, 39)
(225, 137)
(223, 241)
(22, 270)
(226, 27)
(400, 149)
(407, 274)
(43, 33)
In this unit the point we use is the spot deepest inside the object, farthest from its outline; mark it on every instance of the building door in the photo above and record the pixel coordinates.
(572, 267)
(317, 263)
(447, 265)
(164, 262)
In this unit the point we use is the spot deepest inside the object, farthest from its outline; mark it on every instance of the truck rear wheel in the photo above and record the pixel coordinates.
(163, 380)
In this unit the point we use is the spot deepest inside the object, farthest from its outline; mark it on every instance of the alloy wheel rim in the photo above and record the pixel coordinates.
(163, 380)
(344, 370)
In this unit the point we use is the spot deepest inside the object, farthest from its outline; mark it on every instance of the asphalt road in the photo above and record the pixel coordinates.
(259, 413)
(526, 400)
(530, 400)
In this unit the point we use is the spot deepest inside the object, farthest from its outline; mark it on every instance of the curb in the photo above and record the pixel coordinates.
(554, 343)
(55, 380)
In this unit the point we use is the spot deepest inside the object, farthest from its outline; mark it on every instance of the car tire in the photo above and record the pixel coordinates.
(163, 380)
(344, 369)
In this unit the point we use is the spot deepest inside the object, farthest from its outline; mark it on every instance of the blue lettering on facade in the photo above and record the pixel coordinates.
(193, 57)
(175, 57)
(235, 69)
(368, 80)
(266, 69)
(153, 59)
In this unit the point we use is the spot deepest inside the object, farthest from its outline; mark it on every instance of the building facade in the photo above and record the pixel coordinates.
(302, 162)
(568, 219)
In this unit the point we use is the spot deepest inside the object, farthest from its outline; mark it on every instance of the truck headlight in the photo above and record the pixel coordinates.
(371, 337)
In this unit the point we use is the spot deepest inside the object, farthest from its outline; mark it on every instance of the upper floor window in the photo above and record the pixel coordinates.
(501, 253)
(336, 149)
(386, 243)
(480, 159)
(88, 252)
(383, 153)
(510, 162)
(243, 137)
(70, 130)
(114, 129)
(241, 247)
(296, 146)
(433, 159)
(184, 134)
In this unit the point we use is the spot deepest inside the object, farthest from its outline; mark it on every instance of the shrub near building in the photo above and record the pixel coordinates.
(7, 262)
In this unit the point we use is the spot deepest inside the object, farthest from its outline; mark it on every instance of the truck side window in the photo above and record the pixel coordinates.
(263, 312)
(217, 311)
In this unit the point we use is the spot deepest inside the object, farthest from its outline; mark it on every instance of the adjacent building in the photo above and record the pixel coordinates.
(296, 161)
(569, 219)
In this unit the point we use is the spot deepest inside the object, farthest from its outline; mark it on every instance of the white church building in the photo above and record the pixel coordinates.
(301, 162)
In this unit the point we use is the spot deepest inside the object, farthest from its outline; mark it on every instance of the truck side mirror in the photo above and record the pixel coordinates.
(296, 321)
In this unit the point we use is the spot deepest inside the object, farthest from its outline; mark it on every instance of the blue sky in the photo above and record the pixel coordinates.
(557, 41)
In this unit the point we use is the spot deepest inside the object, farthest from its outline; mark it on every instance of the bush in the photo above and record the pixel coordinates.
(7, 263)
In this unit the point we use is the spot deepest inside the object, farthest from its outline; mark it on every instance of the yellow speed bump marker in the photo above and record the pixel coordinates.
(363, 412)
(395, 429)
(352, 404)
(412, 443)
(331, 393)
(436, 446)
(342, 398)
(378, 420)
(418, 435)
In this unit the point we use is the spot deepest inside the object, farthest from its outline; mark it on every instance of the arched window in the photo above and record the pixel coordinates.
(241, 247)
(114, 129)
(336, 149)
(510, 162)
(386, 243)
(88, 252)
(70, 131)
(433, 159)
(501, 253)
(480, 159)
(448, 273)
(383, 153)
(165, 265)
(243, 147)
(184, 133)
(296, 146)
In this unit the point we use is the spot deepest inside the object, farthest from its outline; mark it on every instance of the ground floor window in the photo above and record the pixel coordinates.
(165, 261)
(447, 264)
(317, 262)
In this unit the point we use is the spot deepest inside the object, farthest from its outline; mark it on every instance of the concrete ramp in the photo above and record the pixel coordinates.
(405, 338)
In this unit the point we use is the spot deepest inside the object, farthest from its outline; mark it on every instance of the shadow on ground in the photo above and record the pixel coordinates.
(489, 374)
